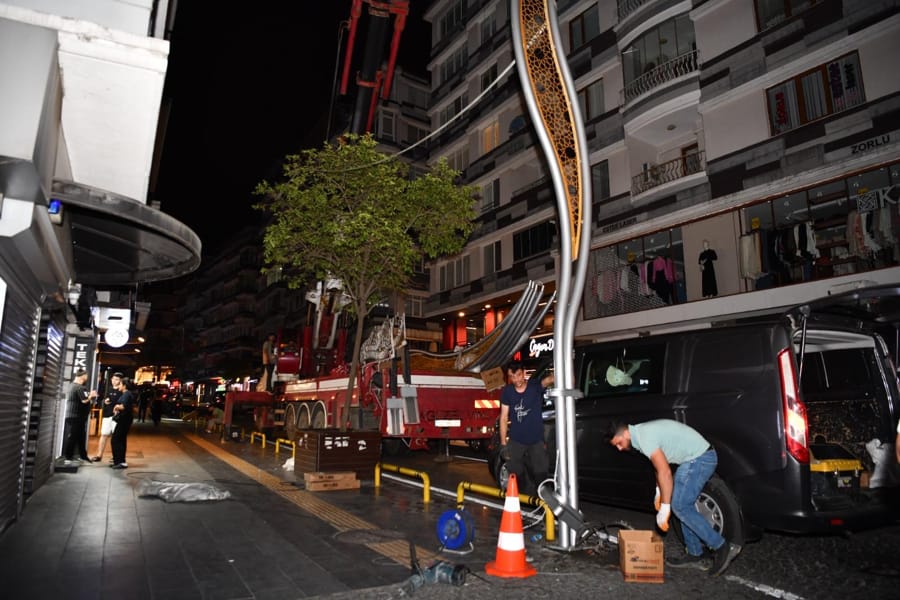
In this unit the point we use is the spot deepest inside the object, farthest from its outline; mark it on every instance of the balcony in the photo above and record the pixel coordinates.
(657, 76)
(656, 175)
(627, 7)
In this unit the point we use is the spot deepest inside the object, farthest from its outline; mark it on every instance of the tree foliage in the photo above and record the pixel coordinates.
(349, 211)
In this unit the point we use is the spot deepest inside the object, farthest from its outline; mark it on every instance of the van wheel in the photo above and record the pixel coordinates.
(720, 508)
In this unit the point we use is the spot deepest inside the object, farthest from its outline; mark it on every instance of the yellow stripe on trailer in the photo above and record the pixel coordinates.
(487, 404)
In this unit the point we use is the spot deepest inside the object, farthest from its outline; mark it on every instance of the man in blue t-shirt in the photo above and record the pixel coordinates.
(665, 442)
(521, 404)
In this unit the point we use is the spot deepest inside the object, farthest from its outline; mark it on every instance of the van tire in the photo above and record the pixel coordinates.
(719, 506)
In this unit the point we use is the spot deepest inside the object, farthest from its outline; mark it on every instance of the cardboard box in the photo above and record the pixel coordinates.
(336, 484)
(641, 556)
(331, 476)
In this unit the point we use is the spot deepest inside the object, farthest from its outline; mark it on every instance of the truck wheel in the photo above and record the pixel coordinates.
(720, 508)
(318, 420)
(303, 418)
(290, 422)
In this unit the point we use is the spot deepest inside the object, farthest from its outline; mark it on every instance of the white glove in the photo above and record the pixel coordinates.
(656, 499)
(662, 517)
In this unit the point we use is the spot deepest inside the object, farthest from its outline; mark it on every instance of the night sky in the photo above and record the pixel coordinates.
(248, 87)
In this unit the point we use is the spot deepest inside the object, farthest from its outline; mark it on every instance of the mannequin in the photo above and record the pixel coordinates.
(708, 271)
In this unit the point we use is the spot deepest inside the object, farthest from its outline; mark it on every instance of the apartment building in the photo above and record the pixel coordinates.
(744, 157)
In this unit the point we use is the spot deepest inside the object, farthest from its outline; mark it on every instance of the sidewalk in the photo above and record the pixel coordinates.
(89, 535)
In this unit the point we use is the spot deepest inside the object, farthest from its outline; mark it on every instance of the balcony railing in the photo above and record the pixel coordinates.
(626, 7)
(655, 77)
(656, 175)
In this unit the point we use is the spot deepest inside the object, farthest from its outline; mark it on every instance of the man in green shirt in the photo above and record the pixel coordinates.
(666, 442)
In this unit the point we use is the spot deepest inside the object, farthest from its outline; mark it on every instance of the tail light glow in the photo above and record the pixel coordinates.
(795, 423)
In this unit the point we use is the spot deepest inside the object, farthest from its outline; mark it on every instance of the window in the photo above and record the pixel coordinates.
(490, 196)
(600, 180)
(488, 28)
(772, 12)
(584, 27)
(388, 126)
(490, 137)
(590, 100)
(451, 19)
(459, 160)
(454, 273)
(614, 369)
(533, 241)
(668, 40)
(488, 77)
(827, 89)
(492, 258)
(453, 65)
(415, 306)
(415, 134)
(455, 107)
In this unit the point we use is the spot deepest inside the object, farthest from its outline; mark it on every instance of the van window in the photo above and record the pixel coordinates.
(838, 370)
(623, 369)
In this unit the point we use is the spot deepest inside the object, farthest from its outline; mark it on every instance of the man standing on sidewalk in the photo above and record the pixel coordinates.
(521, 404)
(666, 442)
(123, 415)
(79, 408)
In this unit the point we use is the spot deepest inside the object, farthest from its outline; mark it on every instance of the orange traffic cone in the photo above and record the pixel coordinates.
(510, 559)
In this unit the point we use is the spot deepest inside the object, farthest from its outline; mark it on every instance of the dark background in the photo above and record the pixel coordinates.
(247, 87)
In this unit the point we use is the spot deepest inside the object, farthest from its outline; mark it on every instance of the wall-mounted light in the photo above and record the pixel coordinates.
(55, 211)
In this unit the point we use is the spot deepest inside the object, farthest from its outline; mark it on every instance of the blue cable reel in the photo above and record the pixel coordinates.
(456, 529)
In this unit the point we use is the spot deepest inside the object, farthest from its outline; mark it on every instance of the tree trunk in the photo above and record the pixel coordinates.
(354, 365)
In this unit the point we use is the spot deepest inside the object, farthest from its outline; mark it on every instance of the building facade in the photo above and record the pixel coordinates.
(743, 155)
(82, 89)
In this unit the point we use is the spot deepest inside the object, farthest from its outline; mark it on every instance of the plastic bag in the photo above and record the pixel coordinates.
(182, 492)
(887, 472)
(288, 465)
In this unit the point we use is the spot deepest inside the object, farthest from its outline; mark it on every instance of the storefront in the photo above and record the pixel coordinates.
(841, 227)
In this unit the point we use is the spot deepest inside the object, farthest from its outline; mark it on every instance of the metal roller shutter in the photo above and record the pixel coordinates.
(45, 403)
(18, 342)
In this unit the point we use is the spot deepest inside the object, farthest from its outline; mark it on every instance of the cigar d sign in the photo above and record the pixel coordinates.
(116, 337)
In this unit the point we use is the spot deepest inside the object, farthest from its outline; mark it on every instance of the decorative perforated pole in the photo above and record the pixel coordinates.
(551, 100)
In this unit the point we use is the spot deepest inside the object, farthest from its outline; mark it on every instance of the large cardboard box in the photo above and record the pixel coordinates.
(320, 450)
(641, 556)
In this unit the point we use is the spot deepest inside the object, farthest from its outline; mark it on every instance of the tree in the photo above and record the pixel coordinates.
(350, 212)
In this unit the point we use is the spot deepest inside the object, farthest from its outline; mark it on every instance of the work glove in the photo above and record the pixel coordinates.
(504, 452)
(657, 499)
(662, 517)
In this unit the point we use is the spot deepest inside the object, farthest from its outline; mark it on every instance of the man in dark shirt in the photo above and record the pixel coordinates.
(79, 408)
(521, 414)
(123, 415)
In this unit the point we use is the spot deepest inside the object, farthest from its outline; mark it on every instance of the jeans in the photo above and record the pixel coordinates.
(690, 477)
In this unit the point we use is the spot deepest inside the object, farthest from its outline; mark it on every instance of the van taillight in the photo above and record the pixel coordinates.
(795, 424)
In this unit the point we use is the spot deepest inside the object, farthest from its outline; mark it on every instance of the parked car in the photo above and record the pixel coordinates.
(789, 400)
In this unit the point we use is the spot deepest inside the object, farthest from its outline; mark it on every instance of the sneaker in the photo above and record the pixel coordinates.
(701, 562)
(723, 557)
(96, 459)
(120, 466)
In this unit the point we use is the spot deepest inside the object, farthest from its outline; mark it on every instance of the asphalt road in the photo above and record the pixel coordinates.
(864, 564)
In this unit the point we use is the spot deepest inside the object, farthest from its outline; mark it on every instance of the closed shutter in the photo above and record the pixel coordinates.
(18, 343)
(45, 403)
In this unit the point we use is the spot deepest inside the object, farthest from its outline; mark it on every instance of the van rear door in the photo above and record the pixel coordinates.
(849, 386)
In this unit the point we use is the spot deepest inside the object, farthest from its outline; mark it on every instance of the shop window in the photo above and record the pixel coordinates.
(827, 89)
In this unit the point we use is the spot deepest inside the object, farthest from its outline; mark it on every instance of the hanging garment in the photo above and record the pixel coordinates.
(708, 276)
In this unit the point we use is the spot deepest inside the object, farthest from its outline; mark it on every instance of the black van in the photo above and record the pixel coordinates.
(789, 401)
